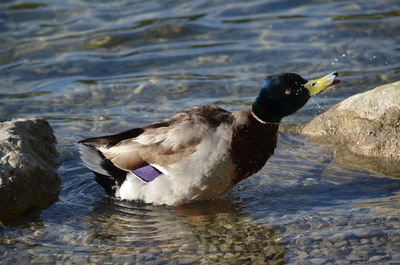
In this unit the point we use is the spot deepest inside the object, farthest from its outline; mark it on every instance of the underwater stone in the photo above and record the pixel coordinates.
(28, 161)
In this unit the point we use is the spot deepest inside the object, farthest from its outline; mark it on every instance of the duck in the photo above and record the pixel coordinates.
(200, 153)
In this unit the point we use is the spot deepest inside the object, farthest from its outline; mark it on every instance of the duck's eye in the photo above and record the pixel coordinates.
(313, 84)
(288, 91)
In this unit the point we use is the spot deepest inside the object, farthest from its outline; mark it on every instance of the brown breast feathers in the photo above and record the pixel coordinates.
(252, 143)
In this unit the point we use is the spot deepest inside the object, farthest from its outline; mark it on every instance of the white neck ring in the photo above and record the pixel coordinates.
(257, 118)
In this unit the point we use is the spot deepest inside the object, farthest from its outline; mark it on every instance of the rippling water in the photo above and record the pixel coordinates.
(97, 67)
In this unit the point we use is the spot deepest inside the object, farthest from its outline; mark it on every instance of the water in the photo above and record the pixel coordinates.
(98, 67)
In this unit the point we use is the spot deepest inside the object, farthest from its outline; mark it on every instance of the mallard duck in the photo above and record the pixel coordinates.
(200, 153)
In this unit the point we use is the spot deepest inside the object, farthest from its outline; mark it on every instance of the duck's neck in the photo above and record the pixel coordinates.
(264, 115)
(253, 142)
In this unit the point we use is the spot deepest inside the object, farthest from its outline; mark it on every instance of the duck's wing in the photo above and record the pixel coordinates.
(162, 143)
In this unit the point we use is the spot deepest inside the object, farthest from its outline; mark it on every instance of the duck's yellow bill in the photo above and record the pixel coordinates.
(316, 86)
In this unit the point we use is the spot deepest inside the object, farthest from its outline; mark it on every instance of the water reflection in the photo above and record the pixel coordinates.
(206, 232)
(385, 206)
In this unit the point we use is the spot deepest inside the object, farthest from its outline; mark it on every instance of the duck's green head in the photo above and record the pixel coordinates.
(284, 94)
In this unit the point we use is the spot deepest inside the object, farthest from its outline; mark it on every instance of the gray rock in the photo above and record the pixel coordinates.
(352, 257)
(317, 261)
(367, 124)
(376, 258)
(342, 262)
(28, 160)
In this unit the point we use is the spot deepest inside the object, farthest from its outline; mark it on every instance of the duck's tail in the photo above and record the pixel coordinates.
(107, 174)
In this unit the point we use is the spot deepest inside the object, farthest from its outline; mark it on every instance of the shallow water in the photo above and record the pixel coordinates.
(98, 67)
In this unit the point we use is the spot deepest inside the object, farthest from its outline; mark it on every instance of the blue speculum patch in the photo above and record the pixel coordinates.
(147, 173)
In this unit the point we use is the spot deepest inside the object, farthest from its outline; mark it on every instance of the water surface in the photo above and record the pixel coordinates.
(98, 67)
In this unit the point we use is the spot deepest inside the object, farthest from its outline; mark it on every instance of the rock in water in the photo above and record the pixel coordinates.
(28, 160)
(368, 124)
